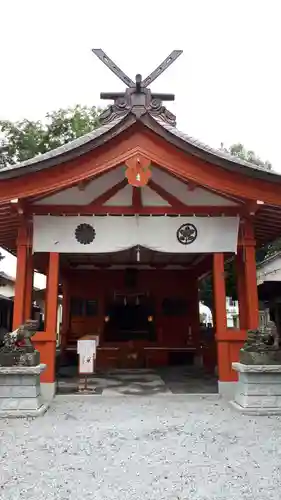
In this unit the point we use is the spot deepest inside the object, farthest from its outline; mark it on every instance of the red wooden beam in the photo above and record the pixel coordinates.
(84, 209)
(137, 200)
(172, 200)
(103, 198)
(8, 235)
(9, 222)
(5, 229)
(266, 216)
(153, 265)
(124, 210)
(272, 227)
(264, 225)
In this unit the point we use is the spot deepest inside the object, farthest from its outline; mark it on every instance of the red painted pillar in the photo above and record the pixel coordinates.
(65, 311)
(220, 322)
(20, 286)
(250, 275)
(240, 282)
(251, 288)
(29, 285)
(52, 294)
(48, 348)
(219, 292)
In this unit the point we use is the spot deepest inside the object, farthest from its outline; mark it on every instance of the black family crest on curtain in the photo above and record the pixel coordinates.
(85, 234)
(186, 234)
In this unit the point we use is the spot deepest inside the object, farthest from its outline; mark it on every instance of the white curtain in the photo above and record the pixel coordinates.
(113, 234)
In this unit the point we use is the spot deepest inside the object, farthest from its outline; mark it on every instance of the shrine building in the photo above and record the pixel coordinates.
(124, 222)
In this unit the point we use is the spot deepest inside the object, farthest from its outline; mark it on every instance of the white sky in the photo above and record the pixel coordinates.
(227, 82)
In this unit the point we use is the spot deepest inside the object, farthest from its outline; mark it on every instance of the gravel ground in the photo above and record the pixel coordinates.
(167, 447)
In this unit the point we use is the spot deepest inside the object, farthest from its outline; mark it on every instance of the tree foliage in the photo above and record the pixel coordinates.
(26, 138)
(239, 151)
(206, 288)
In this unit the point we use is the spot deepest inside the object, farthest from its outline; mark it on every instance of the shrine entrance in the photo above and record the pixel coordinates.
(144, 307)
(142, 304)
(129, 317)
(137, 193)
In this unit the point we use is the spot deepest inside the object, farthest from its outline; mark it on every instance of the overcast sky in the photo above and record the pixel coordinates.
(227, 82)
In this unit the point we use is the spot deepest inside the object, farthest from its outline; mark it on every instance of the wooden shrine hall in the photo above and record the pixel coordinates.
(125, 221)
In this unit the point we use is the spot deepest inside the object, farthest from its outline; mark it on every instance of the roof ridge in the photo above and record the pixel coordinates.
(202, 145)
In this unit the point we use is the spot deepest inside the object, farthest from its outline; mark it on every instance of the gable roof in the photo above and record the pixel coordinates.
(205, 152)
(108, 131)
(67, 151)
(266, 222)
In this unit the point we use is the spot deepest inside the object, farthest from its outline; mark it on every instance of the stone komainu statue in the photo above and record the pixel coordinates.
(262, 348)
(17, 348)
(273, 334)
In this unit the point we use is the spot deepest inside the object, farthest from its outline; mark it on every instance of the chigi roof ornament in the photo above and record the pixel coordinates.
(137, 98)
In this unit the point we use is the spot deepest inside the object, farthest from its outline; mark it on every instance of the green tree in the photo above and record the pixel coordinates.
(239, 151)
(25, 139)
(206, 288)
(3, 149)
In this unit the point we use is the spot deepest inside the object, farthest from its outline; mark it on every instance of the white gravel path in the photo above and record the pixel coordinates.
(172, 447)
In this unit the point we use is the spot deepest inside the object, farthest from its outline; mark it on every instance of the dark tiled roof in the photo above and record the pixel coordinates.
(75, 145)
(91, 140)
(216, 153)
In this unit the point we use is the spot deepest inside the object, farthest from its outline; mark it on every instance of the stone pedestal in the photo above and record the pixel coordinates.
(20, 391)
(258, 391)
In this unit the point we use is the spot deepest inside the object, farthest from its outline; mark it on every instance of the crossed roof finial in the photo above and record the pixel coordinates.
(137, 97)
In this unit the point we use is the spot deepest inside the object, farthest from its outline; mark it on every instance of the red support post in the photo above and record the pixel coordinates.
(20, 286)
(65, 312)
(251, 288)
(219, 293)
(29, 285)
(48, 348)
(220, 321)
(240, 282)
(250, 275)
(52, 294)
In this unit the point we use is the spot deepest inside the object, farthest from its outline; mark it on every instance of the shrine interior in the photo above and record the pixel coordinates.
(142, 304)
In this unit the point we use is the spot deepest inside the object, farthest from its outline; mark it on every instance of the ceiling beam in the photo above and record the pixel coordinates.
(125, 210)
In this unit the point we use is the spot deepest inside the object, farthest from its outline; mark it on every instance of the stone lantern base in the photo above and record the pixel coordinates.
(258, 391)
(20, 391)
